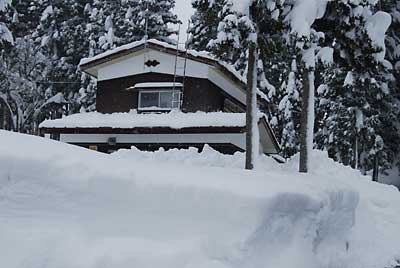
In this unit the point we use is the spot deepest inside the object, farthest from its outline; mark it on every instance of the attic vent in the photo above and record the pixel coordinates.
(152, 63)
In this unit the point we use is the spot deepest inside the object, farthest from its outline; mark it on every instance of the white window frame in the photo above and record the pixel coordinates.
(176, 91)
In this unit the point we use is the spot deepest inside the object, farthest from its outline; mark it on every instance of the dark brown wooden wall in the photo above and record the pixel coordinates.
(199, 94)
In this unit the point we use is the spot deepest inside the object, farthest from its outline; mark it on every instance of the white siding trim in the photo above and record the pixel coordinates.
(134, 65)
(226, 84)
(238, 139)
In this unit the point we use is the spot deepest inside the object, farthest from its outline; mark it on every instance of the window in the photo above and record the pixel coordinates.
(159, 100)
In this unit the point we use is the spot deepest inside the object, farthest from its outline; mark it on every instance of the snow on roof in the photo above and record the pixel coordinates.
(156, 85)
(203, 54)
(193, 53)
(111, 52)
(174, 119)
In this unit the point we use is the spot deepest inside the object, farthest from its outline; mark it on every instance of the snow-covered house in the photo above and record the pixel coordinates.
(151, 95)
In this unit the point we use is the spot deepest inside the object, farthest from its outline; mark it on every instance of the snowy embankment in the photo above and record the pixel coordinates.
(63, 206)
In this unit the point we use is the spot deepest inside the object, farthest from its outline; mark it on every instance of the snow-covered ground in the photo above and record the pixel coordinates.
(63, 206)
(391, 177)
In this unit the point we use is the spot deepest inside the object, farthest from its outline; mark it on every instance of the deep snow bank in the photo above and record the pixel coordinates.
(63, 206)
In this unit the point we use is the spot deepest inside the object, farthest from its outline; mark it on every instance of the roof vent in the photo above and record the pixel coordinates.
(152, 63)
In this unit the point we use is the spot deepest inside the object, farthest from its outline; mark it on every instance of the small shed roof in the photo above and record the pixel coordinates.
(156, 85)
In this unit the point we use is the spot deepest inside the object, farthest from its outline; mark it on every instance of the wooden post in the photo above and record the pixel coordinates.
(249, 106)
(303, 168)
(356, 151)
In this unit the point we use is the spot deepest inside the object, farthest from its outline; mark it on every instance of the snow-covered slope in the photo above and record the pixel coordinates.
(63, 206)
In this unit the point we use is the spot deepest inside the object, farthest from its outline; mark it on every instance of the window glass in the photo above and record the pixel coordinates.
(149, 99)
(176, 99)
(175, 104)
(177, 96)
(165, 99)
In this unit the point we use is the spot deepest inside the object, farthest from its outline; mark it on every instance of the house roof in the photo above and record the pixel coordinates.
(174, 120)
(199, 56)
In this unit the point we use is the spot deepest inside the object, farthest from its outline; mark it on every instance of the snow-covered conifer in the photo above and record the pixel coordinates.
(5, 20)
(288, 113)
(358, 101)
(204, 23)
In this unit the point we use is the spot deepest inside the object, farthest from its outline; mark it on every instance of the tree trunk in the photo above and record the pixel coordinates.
(250, 106)
(356, 151)
(375, 174)
(305, 123)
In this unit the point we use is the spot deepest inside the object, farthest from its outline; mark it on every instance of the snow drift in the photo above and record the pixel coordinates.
(63, 206)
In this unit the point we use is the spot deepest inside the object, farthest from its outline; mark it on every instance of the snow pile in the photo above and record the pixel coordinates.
(208, 157)
(174, 119)
(64, 206)
(391, 177)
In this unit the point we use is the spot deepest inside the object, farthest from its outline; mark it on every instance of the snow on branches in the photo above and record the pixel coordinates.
(4, 4)
(5, 33)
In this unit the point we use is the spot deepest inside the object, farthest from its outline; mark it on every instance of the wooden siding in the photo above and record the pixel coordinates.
(199, 94)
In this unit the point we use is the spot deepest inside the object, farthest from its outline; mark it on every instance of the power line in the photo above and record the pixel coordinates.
(56, 82)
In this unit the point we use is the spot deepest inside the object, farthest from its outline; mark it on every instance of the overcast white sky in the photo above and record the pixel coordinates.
(184, 11)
